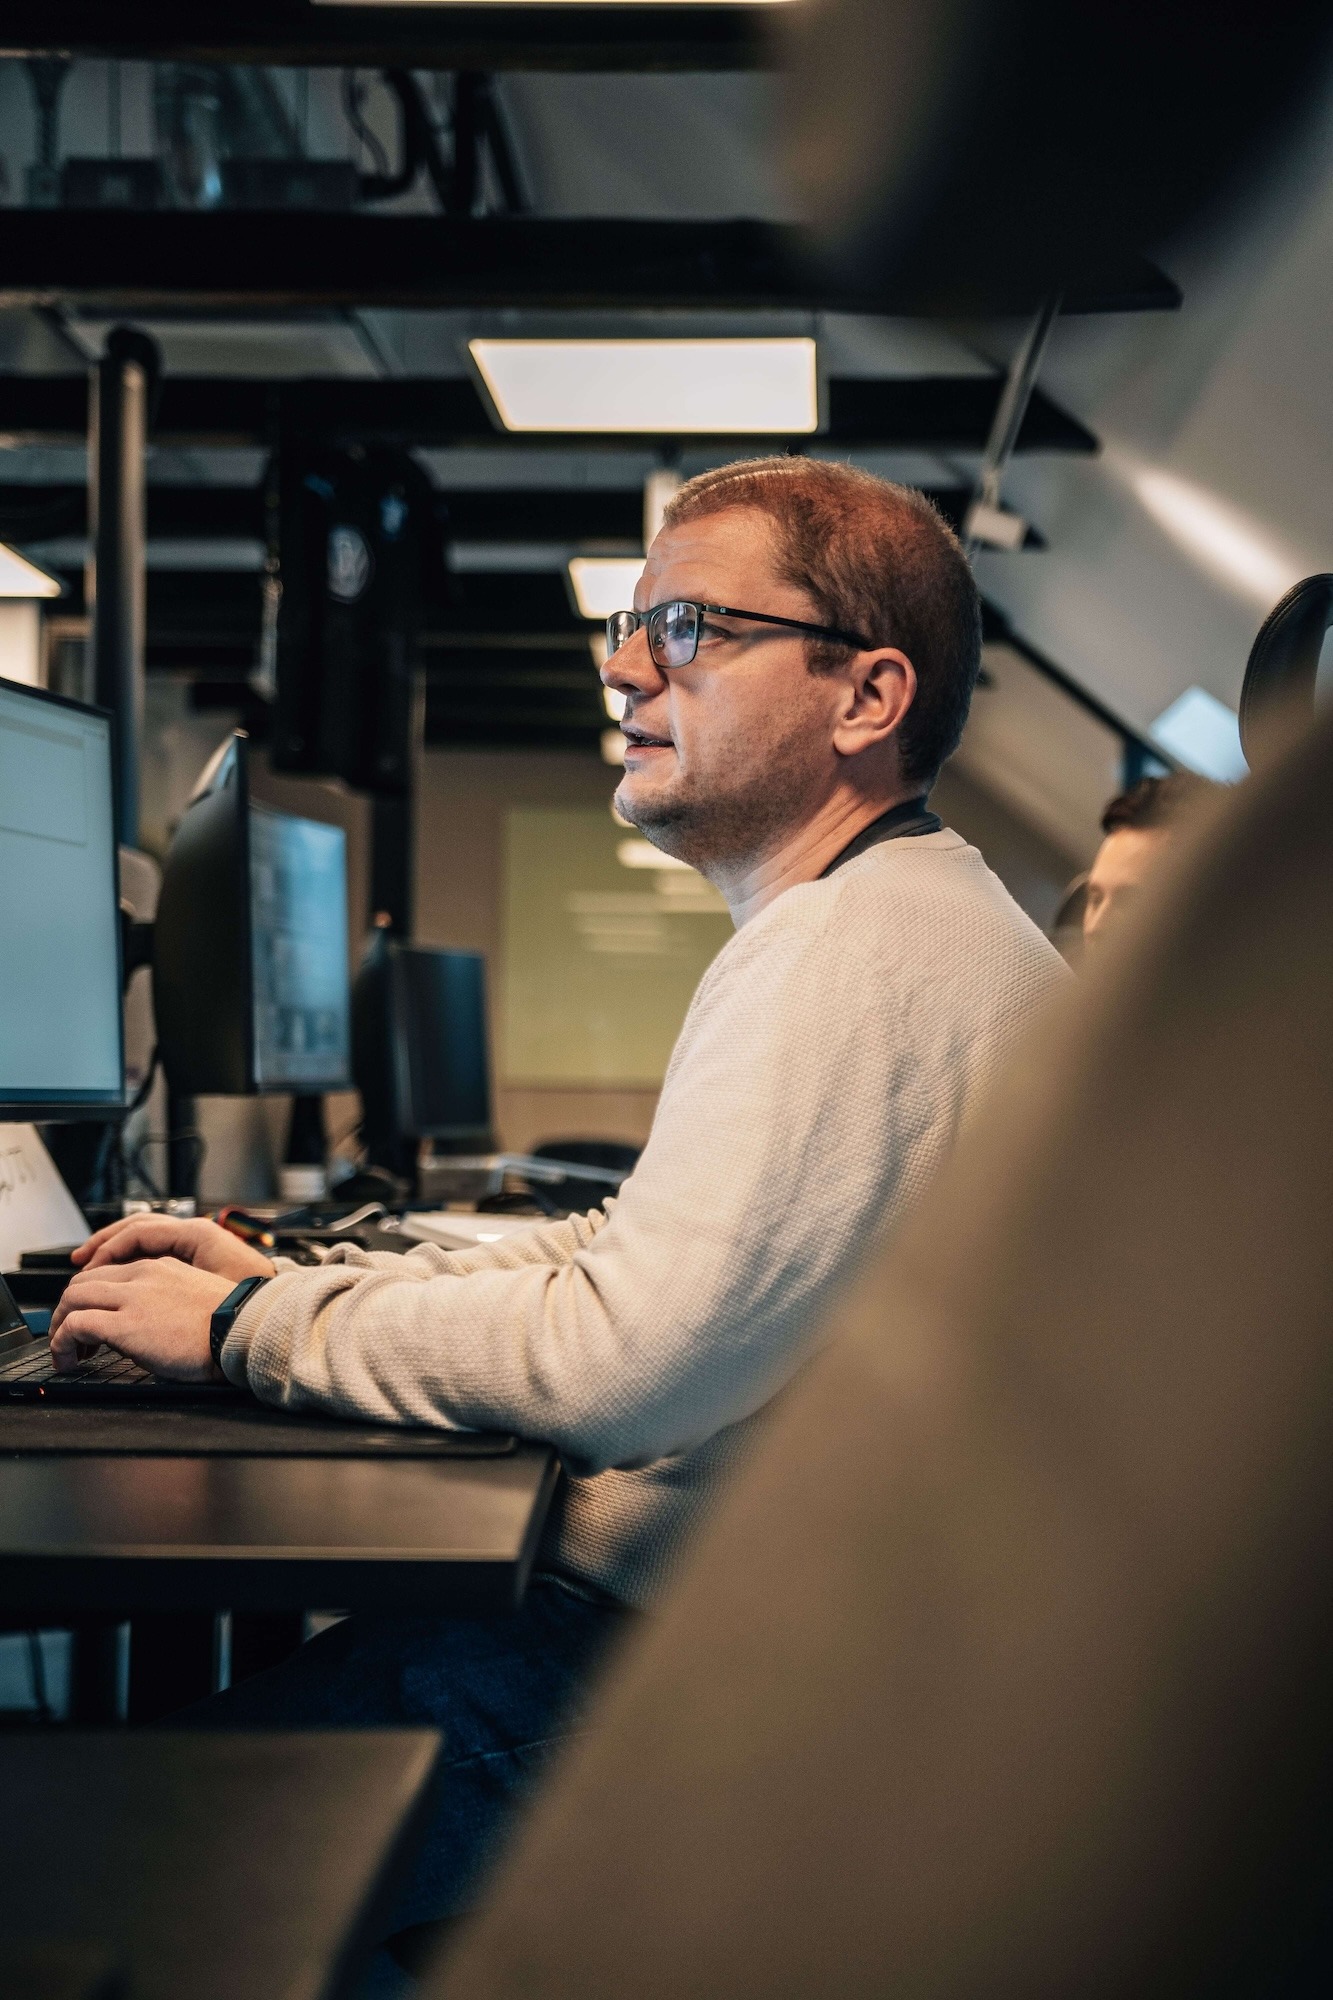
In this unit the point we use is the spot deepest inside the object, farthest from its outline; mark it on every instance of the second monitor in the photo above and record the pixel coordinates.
(250, 988)
(420, 1050)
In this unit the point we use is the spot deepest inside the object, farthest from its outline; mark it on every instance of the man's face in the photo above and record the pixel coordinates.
(1125, 860)
(724, 755)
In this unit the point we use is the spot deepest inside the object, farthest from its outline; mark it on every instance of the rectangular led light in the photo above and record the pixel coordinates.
(20, 578)
(718, 387)
(603, 584)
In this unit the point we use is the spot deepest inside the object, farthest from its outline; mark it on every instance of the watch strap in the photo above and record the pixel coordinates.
(224, 1319)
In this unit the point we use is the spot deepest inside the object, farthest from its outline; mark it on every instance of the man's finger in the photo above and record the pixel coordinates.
(103, 1287)
(94, 1243)
(134, 1236)
(81, 1328)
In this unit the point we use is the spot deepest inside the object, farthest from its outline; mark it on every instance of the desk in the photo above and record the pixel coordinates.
(207, 1867)
(87, 1532)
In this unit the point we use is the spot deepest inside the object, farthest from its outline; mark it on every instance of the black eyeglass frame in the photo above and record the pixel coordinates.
(644, 619)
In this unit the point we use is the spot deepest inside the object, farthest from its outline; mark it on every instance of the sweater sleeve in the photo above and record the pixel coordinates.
(809, 1097)
(687, 1308)
(545, 1243)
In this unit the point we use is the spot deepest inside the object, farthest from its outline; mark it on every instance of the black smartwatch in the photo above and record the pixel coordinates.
(224, 1319)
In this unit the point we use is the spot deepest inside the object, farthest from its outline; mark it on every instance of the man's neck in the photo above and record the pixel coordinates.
(803, 854)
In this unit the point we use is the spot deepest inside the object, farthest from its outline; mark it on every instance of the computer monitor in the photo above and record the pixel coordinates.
(250, 989)
(61, 1040)
(420, 1048)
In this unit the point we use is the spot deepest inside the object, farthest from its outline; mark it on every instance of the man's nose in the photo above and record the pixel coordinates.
(631, 669)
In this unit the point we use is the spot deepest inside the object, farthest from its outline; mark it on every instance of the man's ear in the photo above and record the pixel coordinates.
(880, 688)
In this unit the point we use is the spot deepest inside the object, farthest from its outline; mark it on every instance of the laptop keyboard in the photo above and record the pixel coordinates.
(34, 1364)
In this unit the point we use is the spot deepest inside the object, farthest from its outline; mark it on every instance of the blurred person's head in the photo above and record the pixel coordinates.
(1138, 828)
(769, 730)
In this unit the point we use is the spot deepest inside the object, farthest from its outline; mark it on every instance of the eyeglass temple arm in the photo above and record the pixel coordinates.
(795, 624)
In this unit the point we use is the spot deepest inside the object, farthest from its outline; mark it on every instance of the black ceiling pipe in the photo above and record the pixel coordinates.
(120, 393)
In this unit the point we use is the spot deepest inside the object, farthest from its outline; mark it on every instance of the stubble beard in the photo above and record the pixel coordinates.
(734, 817)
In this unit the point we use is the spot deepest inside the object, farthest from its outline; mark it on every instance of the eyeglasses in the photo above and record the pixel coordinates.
(675, 629)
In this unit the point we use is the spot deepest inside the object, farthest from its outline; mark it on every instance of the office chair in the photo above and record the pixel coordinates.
(1003, 1668)
(1283, 679)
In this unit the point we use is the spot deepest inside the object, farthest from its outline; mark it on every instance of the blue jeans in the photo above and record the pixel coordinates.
(503, 1688)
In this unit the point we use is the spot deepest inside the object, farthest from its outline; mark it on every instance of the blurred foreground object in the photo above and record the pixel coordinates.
(1287, 672)
(976, 155)
(1003, 1668)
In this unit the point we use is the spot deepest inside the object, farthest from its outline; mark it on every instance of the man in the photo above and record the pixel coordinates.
(1139, 827)
(784, 746)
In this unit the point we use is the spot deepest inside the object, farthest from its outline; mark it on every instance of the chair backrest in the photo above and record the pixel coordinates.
(1004, 1667)
(1282, 672)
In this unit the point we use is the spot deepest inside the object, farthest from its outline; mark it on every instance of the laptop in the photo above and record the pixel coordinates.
(28, 1375)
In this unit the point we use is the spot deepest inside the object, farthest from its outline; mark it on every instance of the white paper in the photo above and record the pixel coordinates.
(37, 1210)
(453, 1231)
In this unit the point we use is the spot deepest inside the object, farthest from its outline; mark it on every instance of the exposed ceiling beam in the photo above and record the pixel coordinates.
(125, 260)
(33, 513)
(609, 37)
(914, 413)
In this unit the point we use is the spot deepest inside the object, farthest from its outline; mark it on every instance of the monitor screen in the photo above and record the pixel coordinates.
(441, 1025)
(60, 1001)
(298, 930)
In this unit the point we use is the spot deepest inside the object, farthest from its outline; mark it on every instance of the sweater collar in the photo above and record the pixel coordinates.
(901, 822)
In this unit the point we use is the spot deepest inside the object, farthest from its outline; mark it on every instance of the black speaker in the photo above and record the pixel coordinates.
(360, 547)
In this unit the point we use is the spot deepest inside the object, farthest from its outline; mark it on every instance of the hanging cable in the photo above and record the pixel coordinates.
(354, 111)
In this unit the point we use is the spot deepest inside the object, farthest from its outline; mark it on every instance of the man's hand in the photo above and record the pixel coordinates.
(202, 1244)
(157, 1312)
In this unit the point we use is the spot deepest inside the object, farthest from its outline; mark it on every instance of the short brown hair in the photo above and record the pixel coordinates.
(874, 558)
(1156, 802)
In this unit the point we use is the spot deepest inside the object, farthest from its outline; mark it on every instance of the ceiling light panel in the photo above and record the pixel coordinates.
(603, 584)
(20, 578)
(717, 388)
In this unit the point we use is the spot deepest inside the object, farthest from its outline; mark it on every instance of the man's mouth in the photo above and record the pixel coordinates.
(643, 739)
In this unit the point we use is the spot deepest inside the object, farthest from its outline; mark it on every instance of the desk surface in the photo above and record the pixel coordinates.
(208, 1866)
(119, 1533)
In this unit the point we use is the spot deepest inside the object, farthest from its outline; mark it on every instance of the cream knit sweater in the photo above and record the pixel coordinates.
(829, 1056)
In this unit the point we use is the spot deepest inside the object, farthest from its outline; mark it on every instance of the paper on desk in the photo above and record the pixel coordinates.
(455, 1231)
(37, 1210)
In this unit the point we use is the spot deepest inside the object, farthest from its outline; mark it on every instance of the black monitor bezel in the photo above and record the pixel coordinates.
(400, 951)
(186, 1071)
(99, 1105)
